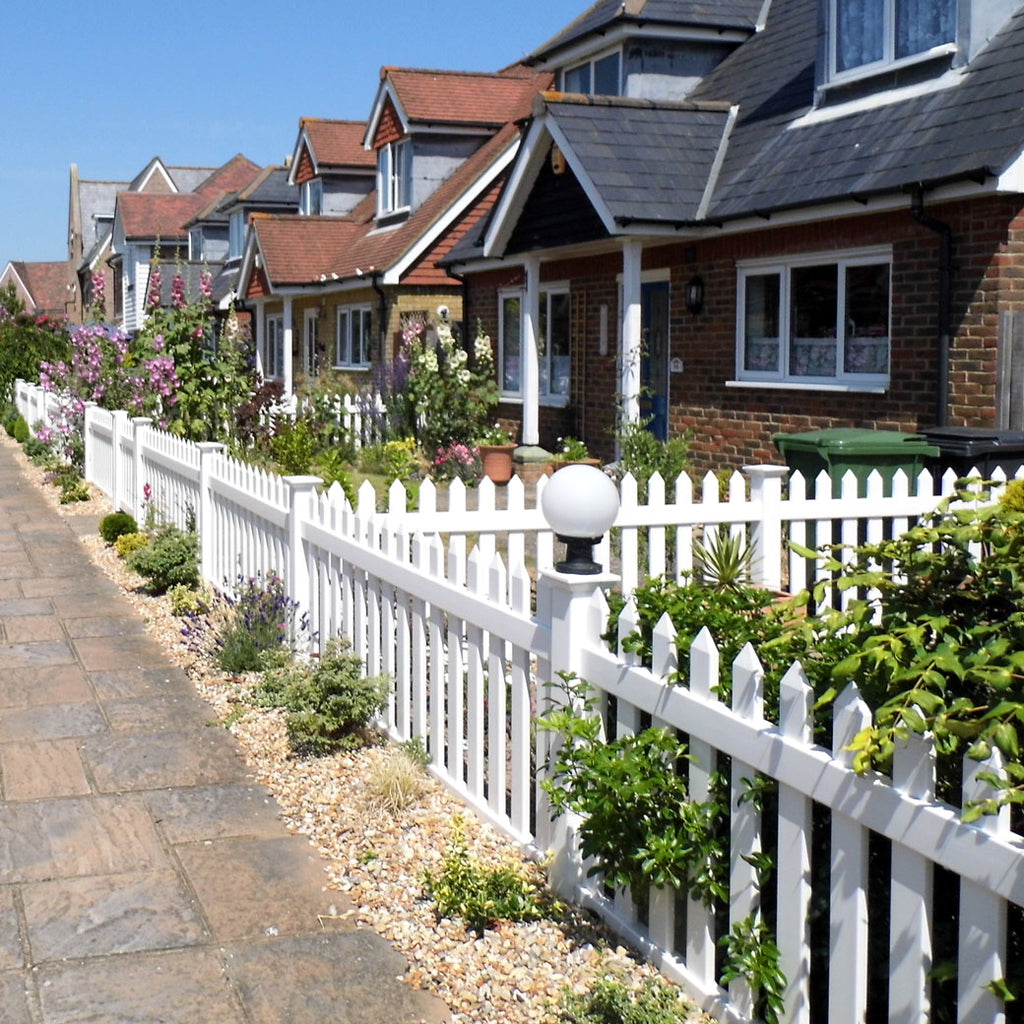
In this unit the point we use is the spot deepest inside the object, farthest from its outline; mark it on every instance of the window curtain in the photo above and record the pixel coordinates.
(860, 32)
(922, 24)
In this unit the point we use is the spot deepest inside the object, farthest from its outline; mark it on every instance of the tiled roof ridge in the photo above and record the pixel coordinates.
(303, 121)
(630, 102)
(451, 73)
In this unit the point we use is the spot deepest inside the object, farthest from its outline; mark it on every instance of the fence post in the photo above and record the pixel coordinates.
(89, 447)
(136, 501)
(208, 541)
(119, 425)
(302, 491)
(564, 603)
(766, 532)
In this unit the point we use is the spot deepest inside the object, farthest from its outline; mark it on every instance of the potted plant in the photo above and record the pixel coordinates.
(571, 451)
(496, 446)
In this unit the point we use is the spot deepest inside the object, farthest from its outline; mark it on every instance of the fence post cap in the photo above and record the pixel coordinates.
(767, 472)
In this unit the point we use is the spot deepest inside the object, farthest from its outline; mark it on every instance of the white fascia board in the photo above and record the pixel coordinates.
(384, 92)
(252, 258)
(105, 243)
(157, 165)
(532, 153)
(454, 211)
(300, 142)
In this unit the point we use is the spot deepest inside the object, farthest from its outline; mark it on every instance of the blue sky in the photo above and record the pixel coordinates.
(109, 85)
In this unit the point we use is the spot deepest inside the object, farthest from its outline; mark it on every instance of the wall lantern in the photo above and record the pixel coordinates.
(558, 164)
(580, 503)
(695, 294)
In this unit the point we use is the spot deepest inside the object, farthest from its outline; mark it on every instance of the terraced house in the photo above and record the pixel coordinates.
(745, 217)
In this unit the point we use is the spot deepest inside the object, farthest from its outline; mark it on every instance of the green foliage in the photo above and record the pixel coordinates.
(117, 524)
(394, 460)
(332, 468)
(128, 543)
(262, 620)
(639, 823)
(10, 415)
(571, 449)
(74, 490)
(481, 896)
(19, 430)
(752, 954)
(37, 449)
(643, 455)
(26, 341)
(171, 558)
(330, 702)
(415, 750)
(722, 560)
(293, 447)
(187, 600)
(1012, 499)
(613, 1001)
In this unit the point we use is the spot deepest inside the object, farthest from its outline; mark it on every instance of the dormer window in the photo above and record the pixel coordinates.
(394, 177)
(599, 77)
(311, 198)
(882, 32)
(236, 234)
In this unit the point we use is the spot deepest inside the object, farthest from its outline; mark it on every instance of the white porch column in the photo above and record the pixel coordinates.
(629, 387)
(531, 363)
(289, 334)
(261, 336)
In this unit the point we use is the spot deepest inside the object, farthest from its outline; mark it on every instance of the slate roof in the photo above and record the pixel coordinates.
(649, 162)
(717, 14)
(338, 144)
(465, 98)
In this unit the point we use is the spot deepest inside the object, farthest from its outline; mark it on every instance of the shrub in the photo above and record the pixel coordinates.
(395, 783)
(262, 620)
(330, 702)
(643, 455)
(128, 543)
(36, 447)
(479, 895)
(613, 1001)
(117, 524)
(74, 490)
(187, 601)
(171, 558)
(19, 430)
(294, 447)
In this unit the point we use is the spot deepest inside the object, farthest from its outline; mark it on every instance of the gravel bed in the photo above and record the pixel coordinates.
(514, 974)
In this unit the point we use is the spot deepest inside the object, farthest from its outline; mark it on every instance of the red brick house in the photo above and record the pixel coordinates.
(742, 218)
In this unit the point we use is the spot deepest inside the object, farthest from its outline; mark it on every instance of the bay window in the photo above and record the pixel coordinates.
(352, 343)
(552, 343)
(816, 321)
(866, 32)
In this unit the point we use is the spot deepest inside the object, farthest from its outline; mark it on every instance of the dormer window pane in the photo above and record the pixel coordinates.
(311, 198)
(607, 77)
(860, 32)
(866, 32)
(922, 24)
(394, 176)
(236, 234)
(578, 80)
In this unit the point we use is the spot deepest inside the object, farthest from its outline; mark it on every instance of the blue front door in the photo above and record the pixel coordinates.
(654, 358)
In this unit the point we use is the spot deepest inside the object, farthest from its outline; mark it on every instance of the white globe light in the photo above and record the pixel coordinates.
(580, 501)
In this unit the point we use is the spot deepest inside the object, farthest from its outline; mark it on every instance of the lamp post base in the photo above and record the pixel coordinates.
(579, 556)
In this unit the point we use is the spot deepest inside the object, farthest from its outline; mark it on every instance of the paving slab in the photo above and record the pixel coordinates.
(144, 875)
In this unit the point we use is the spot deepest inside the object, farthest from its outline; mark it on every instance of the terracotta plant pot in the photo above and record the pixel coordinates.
(496, 460)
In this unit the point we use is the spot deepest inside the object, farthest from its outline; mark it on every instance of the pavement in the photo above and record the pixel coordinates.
(144, 876)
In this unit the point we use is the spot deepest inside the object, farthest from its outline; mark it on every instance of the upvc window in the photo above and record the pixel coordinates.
(311, 197)
(816, 321)
(552, 343)
(236, 234)
(394, 176)
(273, 349)
(352, 346)
(195, 243)
(866, 32)
(600, 77)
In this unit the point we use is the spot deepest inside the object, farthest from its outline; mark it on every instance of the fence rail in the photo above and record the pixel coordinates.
(469, 640)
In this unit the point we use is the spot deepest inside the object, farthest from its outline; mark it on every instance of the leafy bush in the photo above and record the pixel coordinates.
(643, 455)
(36, 447)
(10, 414)
(639, 823)
(479, 895)
(19, 430)
(395, 783)
(294, 447)
(171, 558)
(186, 600)
(613, 1001)
(331, 467)
(117, 524)
(74, 490)
(752, 954)
(330, 702)
(262, 619)
(128, 543)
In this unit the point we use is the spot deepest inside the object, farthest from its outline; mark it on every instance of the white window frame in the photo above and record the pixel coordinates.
(394, 177)
(273, 347)
(310, 343)
(547, 290)
(236, 234)
(888, 59)
(781, 376)
(347, 345)
(591, 63)
(195, 243)
(311, 197)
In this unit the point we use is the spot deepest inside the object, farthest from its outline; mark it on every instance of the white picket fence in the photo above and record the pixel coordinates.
(359, 417)
(468, 640)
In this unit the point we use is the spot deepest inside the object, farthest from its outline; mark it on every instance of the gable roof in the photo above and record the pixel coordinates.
(96, 201)
(334, 144)
(605, 16)
(455, 99)
(45, 284)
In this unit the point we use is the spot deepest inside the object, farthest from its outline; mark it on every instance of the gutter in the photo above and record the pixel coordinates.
(945, 319)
